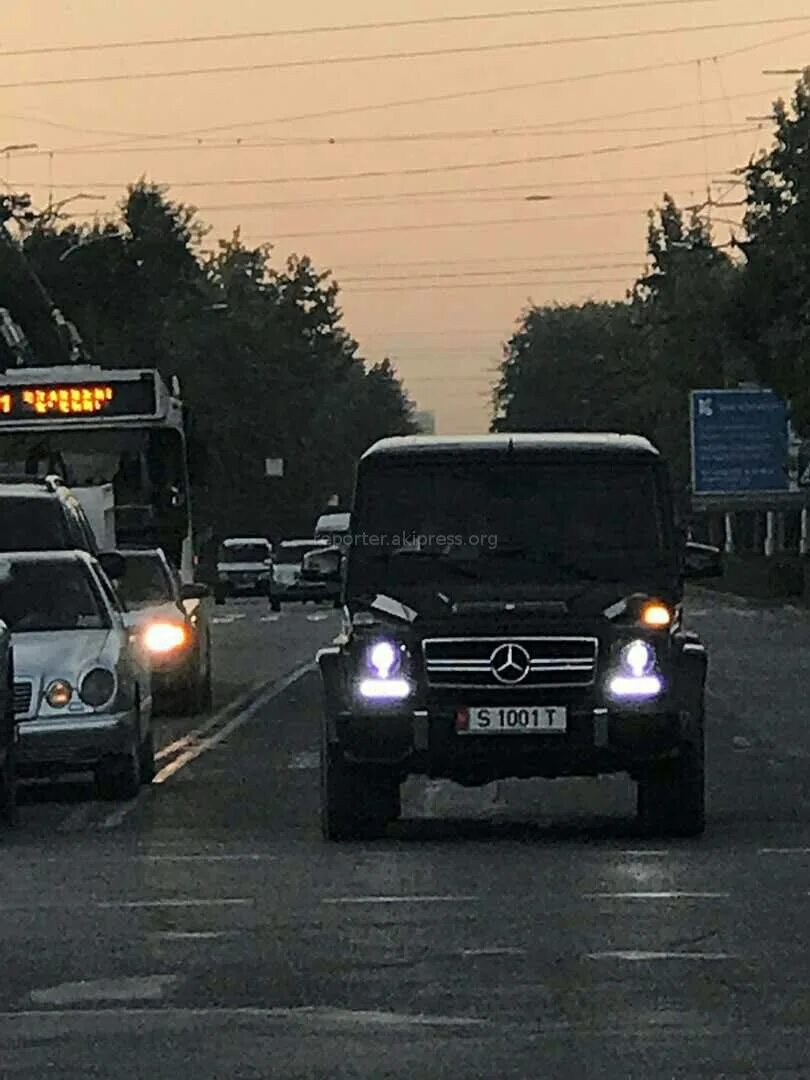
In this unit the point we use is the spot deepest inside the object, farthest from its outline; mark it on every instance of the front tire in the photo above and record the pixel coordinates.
(9, 810)
(672, 795)
(275, 603)
(119, 779)
(147, 759)
(357, 802)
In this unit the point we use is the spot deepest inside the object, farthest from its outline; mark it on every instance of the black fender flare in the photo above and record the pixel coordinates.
(690, 667)
(331, 669)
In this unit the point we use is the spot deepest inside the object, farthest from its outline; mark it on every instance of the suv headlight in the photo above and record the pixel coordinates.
(383, 677)
(635, 675)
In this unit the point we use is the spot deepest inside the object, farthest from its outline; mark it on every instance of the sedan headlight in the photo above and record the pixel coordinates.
(384, 679)
(165, 637)
(97, 687)
(59, 693)
(635, 675)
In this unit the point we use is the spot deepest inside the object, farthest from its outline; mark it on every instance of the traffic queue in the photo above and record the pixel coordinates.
(95, 643)
(92, 645)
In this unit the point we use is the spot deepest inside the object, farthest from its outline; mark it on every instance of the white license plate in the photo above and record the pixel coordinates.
(512, 720)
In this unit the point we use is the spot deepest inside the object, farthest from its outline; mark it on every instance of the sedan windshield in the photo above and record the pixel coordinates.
(38, 596)
(245, 553)
(145, 582)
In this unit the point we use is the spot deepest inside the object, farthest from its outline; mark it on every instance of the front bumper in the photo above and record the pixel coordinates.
(304, 590)
(73, 743)
(425, 741)
(245, 588)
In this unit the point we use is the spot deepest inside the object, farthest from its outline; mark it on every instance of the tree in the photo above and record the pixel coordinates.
(262, 355)
(772, 310)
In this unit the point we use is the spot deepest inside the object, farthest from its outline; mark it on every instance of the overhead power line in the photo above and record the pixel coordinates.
(413, 54)
(536, 84)
(488, 274)
(309, 31)
(197, 133)
(529, 132)
(429, 170)
(494, 285)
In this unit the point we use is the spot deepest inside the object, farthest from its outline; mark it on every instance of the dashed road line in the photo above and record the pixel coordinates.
(644, 954)
(399, 899)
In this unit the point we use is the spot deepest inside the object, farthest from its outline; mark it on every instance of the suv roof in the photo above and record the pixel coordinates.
(69, 555)
(548, 441)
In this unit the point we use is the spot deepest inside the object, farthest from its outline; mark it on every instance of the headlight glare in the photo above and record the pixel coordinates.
(165, 637)
(59, 693)
(656, 615)
(635, 676)
(383, 659)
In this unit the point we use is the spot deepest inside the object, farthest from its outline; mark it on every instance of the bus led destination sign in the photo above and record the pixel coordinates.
(66, 400)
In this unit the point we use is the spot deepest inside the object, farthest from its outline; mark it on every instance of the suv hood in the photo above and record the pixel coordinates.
(487, 603)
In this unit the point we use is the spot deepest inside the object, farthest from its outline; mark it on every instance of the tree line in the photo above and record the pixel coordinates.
(702, 315)
(264, 360)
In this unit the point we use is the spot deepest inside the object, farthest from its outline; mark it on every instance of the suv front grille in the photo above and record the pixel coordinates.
(23, 692)
(457, 663)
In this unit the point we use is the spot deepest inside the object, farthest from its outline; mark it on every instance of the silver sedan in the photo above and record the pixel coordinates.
(82, 682)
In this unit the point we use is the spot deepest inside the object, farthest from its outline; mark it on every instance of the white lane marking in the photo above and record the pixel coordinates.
(117, 816)
(399, 899)
(65, 1019)
(739, 742)
(784, 851)
(143, 988)
(242, 718)
(644, 851)
(117, 905)
(221, 714)
(201, 858)
(641, 954)
(307, 759)
(173, 903)
(189, 935)
(270, 618)
(657, 895)
(317, 617)
(471, 954)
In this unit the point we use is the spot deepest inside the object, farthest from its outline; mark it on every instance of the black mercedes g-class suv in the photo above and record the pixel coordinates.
(513, 608)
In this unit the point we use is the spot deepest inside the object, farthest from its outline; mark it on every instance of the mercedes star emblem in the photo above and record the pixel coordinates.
(510, 663)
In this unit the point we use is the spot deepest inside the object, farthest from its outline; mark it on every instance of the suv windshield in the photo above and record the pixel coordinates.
(49, 596)
(244, 553)
(145, 582)
(588, 519)
(35, 524)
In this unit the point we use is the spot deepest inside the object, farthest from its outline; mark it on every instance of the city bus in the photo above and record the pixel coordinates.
(95, 428)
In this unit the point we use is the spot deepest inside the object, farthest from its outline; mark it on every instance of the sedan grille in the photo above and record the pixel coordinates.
(23, 692)
(504, 663)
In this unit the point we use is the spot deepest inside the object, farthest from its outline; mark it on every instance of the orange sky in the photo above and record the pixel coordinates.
(445, 336)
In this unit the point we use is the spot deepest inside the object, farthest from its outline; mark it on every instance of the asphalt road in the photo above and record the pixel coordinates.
(522, 930)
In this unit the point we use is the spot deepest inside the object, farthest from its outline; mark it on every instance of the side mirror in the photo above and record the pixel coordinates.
(322, 565)
(113, 564)
(702, 561)
(194, 590)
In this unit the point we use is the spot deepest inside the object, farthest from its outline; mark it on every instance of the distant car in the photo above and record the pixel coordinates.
(245, 568)
(8, 731)
(288, 584)
(82, 693)
(332, 527)
(173, 621)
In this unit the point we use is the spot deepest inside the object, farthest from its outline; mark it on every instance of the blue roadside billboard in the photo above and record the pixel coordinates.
(740, 442)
